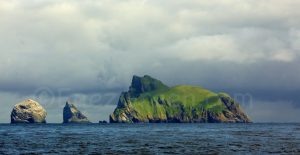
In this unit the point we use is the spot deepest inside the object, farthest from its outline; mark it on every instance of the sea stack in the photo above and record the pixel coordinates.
(72, 115)
(148, 100)
(28, 111)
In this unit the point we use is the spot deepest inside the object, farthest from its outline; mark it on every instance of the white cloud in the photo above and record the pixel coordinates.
(214, 48)
(284, 56)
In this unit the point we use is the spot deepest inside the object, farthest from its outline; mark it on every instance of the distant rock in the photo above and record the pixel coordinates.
(103, 122)
(72, 115)
(28, 111)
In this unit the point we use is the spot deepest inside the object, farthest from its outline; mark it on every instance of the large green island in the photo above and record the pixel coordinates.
(150, 101)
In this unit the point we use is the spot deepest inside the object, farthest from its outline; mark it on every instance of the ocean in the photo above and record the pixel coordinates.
(254, 138)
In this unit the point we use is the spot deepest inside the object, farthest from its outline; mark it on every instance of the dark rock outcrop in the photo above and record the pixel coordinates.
(28, 111)
(150, 101)
(234, 113)
(103, 122)
(144, 84)
(72, 115)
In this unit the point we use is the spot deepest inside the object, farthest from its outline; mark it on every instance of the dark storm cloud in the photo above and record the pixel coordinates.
(264, 80)
(82, 49)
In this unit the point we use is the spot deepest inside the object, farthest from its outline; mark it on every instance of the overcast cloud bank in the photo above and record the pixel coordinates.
(81, 50)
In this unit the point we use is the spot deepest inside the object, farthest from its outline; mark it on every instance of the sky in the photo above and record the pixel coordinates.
(86, 52)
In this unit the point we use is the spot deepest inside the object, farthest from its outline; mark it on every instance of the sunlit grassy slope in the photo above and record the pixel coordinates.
(179, 100)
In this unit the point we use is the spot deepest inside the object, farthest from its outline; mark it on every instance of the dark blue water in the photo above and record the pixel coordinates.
(150, 139)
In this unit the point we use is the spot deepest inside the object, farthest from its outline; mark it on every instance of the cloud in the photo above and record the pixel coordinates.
(212, 48)
(94, 47)
(284, 56)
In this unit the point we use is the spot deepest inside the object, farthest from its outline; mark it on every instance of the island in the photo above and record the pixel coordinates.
(148, 100)
(28, 111)
(72, 115)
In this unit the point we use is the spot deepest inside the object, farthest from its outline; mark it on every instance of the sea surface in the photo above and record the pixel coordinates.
(255, 138)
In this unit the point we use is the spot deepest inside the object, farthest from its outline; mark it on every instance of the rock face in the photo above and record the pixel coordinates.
(28, 111)
(149, 100)
(146, 84)
(103, 122)
(72, 115)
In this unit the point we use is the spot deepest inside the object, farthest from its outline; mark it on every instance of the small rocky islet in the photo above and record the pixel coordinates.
(28, 111)
(148, 100)
(72, 115)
